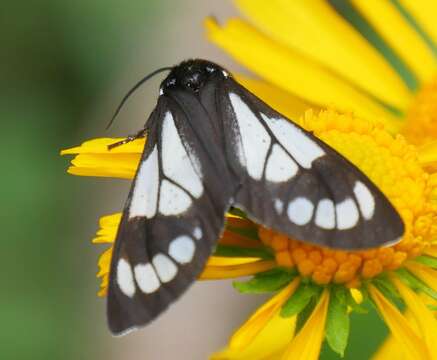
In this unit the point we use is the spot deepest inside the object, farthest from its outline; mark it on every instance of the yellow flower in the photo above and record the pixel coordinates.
(311, 280)
(373, 65)
(376, 60)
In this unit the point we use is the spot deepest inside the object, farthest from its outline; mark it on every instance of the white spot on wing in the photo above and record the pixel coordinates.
(145, 194)
(325, 214)
(165, 268)
(125, 279)
(300, 210)
(280, 167)
(172, 200)
(182, 249)
(146, 278)
(347, 214)
(254, 137)
(365, 199)
(279, 206)
(178, 165)
(303, 149)
(198, 233)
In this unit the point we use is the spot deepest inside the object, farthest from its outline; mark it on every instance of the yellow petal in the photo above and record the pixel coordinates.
(103, 287)
(406, 337)
(424, 12)
(122, 166)
(253, 326)
(426, 274)
(314, 29)
(267, 345)
(431, 251)
(288, 105)
(393, 28)
(104, 262)
(307, 343)
(108, 228)
(293, 73)
(212, 272)
(94, 159)
(390, 350)
(228, 261)
(100, 146)
(425, 319)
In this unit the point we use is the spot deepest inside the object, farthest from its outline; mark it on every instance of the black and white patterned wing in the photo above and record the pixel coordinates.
(294, 183)
(170, 224)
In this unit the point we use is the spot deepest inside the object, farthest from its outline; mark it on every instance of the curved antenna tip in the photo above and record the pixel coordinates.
(131, 91)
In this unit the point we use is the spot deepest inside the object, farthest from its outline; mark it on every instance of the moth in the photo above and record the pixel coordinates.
(212, 144)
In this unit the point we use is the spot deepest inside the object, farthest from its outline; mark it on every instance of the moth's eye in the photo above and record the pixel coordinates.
(210, 69)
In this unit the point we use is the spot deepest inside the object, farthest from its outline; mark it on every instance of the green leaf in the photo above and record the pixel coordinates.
(249, 232)
(299, 300)
(267, 281)
(415, 283)
(237, 251)
(303, 316)
(338, 323)
(429, 261)
(385, 286)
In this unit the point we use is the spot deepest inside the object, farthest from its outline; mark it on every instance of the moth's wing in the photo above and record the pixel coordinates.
(296, 184)
(170, 224)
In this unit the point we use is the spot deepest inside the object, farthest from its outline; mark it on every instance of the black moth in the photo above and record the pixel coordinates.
(212, 144)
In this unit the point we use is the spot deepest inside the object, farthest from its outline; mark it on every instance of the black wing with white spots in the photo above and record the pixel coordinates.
(212, 144)
(172, 219)
(294, 183)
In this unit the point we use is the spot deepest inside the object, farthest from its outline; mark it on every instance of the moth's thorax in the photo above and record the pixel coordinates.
(192, 75)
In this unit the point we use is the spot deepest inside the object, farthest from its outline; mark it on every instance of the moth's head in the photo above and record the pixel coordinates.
(192, 75)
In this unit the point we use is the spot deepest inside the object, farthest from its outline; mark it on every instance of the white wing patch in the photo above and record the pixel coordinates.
(125, 278)
(347, 214)
(172, 199)
(146, 278)
(365, 199)
(165, 268)
(300, 211)
(325, 214)
(301, 147)
(197, 232)
(182, 249)
(279, 206)
(254, 137)
(145, 194)
(176, 162)
(280, 167)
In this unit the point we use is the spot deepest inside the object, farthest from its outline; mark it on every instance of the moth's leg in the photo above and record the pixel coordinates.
(128, 139)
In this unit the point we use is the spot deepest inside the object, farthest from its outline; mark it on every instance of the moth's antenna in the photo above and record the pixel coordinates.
(131, 91)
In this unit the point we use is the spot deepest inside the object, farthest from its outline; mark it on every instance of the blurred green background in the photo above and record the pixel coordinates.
(58, 58)
(65, 66)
